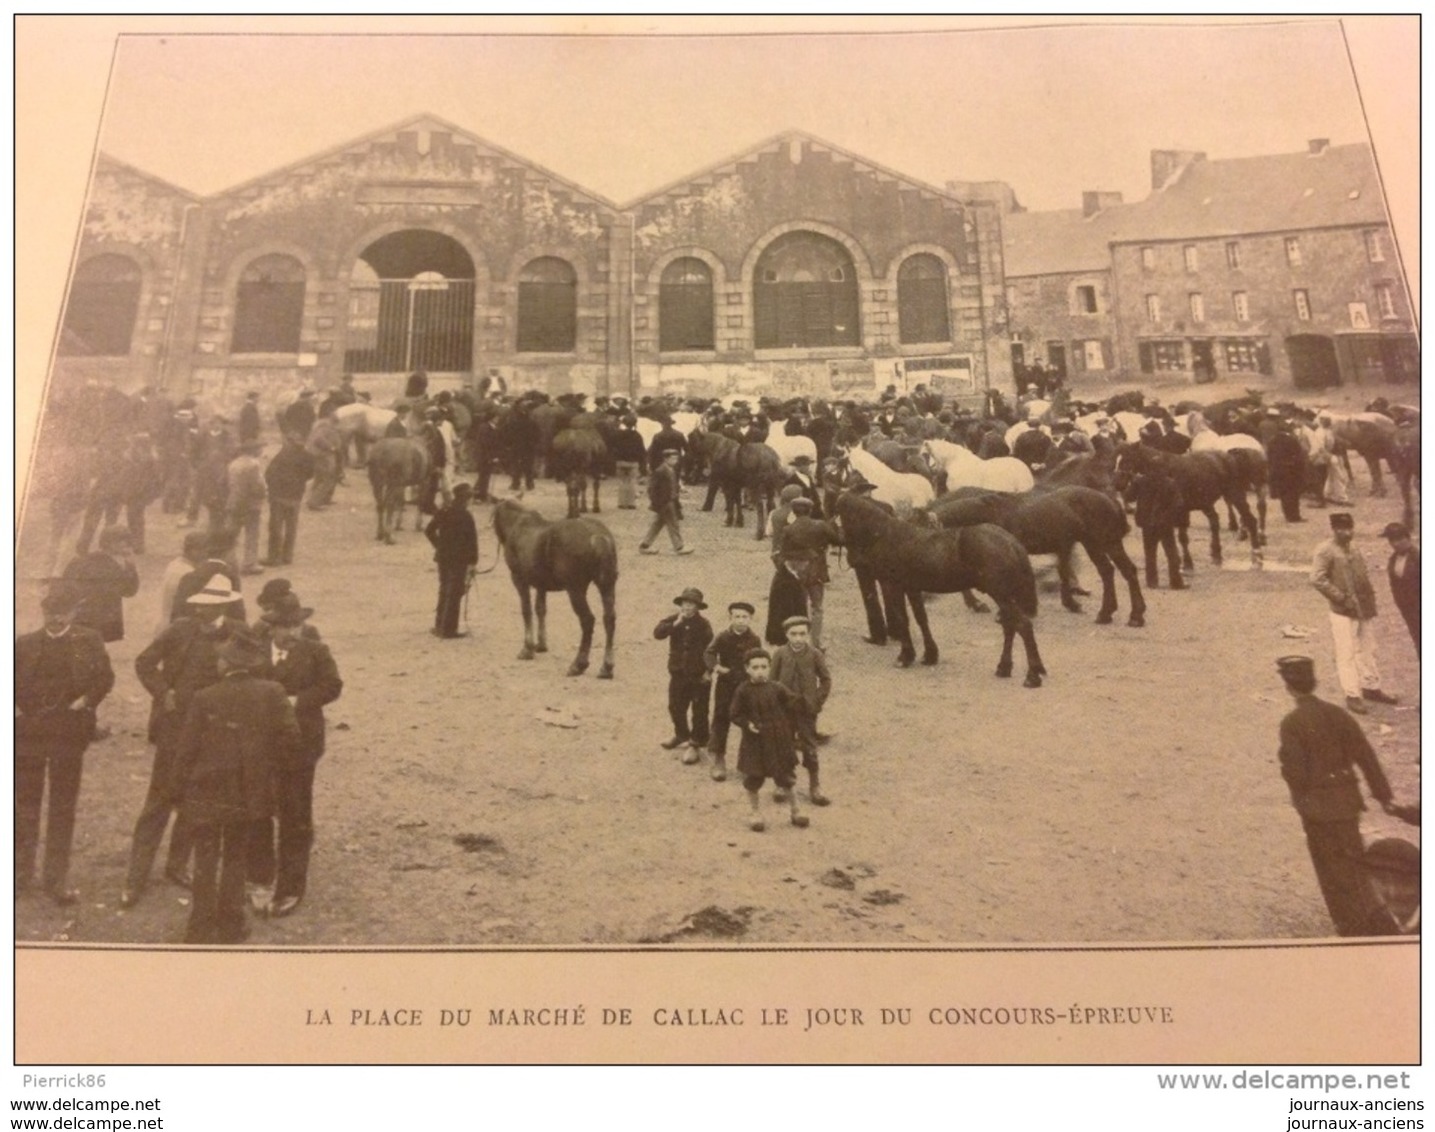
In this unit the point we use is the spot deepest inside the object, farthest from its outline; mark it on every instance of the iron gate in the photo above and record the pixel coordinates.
(401, 325)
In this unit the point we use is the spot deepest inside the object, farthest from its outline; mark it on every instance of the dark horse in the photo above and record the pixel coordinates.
(1203, 479)
(908, 561)
(579, 454)
(1054, 521)
(751, 469)
(395, 465)
(570, 554)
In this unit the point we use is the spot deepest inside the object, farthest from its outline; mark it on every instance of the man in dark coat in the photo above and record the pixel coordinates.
(629, 460)
(285, 479)
(62, 673)
(663, 503)
(298, 418)
(667, 437)
(1287, 463)
(237, 732)
(249, 424)
(305, 667)
(454, 536)
(688, 634)
(1403, 570)
(1321, 746)
(802, 546)
(173, 668)
(1160, 509)
(103, 579)
(1032, 446)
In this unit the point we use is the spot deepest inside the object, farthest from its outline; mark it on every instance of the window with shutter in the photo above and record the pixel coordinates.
(547, 307)
(685, 306)
(805, 294)
(922, 300)
(269, 307)
(103, 304)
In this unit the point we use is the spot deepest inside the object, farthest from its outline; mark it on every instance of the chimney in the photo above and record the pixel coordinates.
(1094, 201)
(1318, 146)
(1168, 164)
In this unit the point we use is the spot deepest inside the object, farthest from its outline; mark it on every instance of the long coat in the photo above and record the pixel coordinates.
(772, 752)
(309, 673)
(105, 582)
(182, 659)
(51, 673)
(235, 736)
(1321, 745)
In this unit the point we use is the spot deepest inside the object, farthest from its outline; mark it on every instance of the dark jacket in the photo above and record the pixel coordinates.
(310, 675)
(236, 734)
(183, 659)
(687, 641)
(1406, 590)
(662, 487)
(1287, 464)
(104, 583)
(454, 536)
(51, 673)
(1321, 745)
(249, 425)
(289, 472)
(626, 445)
(1031, 447)
(1159, 503)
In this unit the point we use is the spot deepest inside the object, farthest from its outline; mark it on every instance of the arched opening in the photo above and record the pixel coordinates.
(547, 307)
(104, 303)
(269, 307)
(411, 296)
(922, 308)
(685, 306)
(805, 294)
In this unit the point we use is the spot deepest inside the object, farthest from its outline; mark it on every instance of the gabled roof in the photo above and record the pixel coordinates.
(431, 122)
(124, 166)
(1283, 192)
(1060, 242)
(777, 141)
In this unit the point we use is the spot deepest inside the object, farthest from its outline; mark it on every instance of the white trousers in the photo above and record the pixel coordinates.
(1355, 665)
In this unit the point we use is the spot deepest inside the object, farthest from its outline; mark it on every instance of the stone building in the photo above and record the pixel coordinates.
(793, 266)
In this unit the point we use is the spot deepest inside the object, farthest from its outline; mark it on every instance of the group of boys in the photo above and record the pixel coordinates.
(773, 698)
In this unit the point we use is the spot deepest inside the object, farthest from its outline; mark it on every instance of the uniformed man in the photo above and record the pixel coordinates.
(455, 541)
(1320, 747)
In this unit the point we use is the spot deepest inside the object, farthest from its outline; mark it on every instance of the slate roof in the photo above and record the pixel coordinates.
(1285, 192)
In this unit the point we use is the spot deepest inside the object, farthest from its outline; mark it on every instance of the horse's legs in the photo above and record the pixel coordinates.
(540, 609)
(1102, 561)
(919, 612)
(1065, 572)
(1035, 670)
(1133, 583)
(575, 490)
(1183, 535)
(1237, 498)
(1006, 618)
(737, 501)
(526, 602)
(1377, 481)
(610, 626)
(897, 624)
(578, 599)
(1215, 521)
(597, 481)
(762, 503)
(711, 497)
(974, 603)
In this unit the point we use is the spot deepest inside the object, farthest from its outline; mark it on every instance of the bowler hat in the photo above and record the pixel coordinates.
(287, 611)
(1342, 521)
(802, 503)
(692, 594)
(62, 597)
(274, 591)
(1395, 530)
(1393, 855)
(741, 605)
(1296, 667)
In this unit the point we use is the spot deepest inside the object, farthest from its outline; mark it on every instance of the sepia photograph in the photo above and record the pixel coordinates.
(653, 508)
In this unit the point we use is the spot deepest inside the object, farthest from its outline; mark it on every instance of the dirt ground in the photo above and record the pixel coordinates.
(470, 798)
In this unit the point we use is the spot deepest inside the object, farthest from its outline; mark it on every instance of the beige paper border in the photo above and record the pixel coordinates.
(1283, 1004)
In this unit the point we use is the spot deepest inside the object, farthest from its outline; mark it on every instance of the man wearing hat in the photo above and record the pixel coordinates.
(297, 418)
(454, 536)
(235, 736)
(1403, 570)
(1288, 473)
(688, 634)
(62, 673)
(286, 477)
(663, 502)
(218, 546)
(325, 444)
(1032, 446)
(305, 668)
(1321, 746)
(801, 477)
(1338, 573)
(629, 460)
(103, 579)
(173, 668)
(244, 501)
(802, 545)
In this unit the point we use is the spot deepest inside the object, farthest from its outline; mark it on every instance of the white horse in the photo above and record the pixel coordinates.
(687, 423)
(964, 468)
(897, 489)
(648, 429)
(369, 422)
(789, 448)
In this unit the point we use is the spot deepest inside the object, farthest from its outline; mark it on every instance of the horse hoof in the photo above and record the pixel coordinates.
(875, 640)
(1103, 619)
(1136, 621)
(905, 661)
(540, 648)
(606, 672)
(1032, 681)
(929, 659)
(1079, 592)
(1071, 606)
(1004, 671)
(981, 607)
(526, 654)
(577, 669)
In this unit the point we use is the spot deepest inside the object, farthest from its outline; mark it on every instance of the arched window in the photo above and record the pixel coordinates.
(104, 301)
(922, 300)
(269, 307)
(685, 306)
(547, 307)
(805, 294)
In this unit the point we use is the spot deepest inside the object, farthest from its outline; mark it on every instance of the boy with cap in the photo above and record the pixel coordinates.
(62, 672)
(765, 714)
(1338, 573)
(236, 734)
(1320, 747)
(688, 634)
(801, 669)
(724, 659)
(1403, 570)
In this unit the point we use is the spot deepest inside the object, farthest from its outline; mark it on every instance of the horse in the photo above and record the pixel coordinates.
(580, 454)
(788, 448)
(570, 554)
(1091, 469)
(908, 561)
(1249, 458)
(395, 465)
(1373, 436)
(362, 424)
(964, 468)
(1204, 478)
(1054, 521)
(898, 489)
